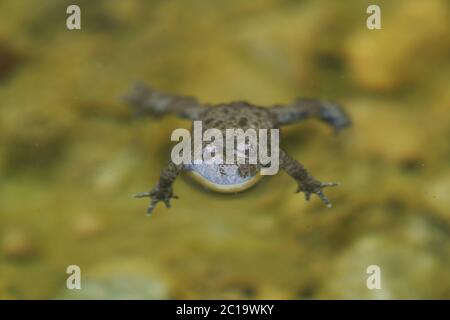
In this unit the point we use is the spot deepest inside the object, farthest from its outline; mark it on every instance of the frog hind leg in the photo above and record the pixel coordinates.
(145, 100)
(301, 109)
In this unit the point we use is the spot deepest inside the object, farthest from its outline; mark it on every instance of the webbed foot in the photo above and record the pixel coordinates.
(156, 195)
(314, 186)
(334, 115)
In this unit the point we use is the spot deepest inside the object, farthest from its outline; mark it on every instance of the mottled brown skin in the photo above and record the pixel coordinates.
(147, 101)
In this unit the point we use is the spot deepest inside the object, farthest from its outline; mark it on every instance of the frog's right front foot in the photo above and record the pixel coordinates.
(156, 195)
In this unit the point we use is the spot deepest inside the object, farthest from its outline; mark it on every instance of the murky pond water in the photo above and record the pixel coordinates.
(72, 154)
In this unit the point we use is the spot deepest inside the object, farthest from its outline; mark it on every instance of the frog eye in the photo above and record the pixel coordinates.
(221, 178)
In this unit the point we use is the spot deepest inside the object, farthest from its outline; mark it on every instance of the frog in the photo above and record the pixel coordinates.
(146, 101)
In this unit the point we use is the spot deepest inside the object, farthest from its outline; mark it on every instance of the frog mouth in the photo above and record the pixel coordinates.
(229, 181)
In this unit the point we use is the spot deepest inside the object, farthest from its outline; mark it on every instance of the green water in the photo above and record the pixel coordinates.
(72, 154)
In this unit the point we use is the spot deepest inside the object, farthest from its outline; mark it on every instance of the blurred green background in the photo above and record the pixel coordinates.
(72, 154)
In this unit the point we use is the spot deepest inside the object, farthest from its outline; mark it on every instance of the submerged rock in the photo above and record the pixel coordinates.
(407, 259)
(17, 244)
(131, 279)
(413, 34)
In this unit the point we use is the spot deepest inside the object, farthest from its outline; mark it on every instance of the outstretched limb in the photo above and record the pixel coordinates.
(306, 183)
(163, 189)
(301, 109)
(147, 101)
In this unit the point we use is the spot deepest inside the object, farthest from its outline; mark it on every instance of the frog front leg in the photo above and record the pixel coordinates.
(306, 182)
(163, 189)
(146, 100)
(329, 112)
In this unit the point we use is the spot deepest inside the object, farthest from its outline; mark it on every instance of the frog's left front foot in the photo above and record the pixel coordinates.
(306, 182)
(313, 186)
(156, 195)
